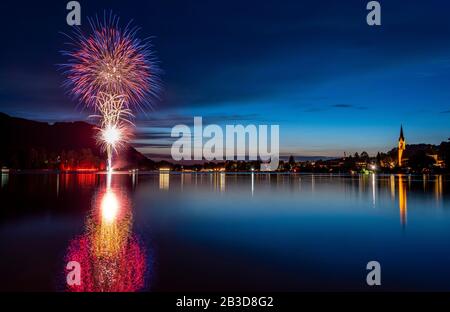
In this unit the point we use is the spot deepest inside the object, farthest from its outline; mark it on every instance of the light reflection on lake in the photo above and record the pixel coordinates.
(109, 253)
(220, 231)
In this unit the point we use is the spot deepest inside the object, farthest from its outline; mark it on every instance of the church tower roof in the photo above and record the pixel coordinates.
(401, 134)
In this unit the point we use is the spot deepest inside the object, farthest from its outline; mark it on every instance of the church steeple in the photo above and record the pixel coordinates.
(401, 134)
(401, 146)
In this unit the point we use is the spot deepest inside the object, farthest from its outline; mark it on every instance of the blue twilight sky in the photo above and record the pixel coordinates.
(330, 81)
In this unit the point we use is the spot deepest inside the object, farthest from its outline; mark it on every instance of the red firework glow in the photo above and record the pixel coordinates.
(110, 256)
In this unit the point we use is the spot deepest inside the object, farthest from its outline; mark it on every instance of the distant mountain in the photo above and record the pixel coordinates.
(27, 144)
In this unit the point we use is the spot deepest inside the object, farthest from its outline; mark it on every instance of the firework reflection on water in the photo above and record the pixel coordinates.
(110, 255)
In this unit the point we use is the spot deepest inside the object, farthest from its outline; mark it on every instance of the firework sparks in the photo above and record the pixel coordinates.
(111, 60)
(111, 109)
(113, 136)
(112, 71)
(114, 117)
(115, 123)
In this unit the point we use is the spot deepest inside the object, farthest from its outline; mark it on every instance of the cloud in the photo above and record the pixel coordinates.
(150, 135)
(155, 131)
(171, 120)
(348, 106)
(338, 106)
(148, 145)
(342, 105)
(446, 111)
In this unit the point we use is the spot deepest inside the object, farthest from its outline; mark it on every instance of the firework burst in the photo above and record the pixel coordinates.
(111, 109)
(115, 123)
(112, 137)
(111, 60)
(111, 71)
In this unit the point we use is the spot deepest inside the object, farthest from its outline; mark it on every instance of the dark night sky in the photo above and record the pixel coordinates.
(331, 82)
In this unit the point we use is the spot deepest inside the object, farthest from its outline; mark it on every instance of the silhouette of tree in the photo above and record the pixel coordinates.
(420, 160)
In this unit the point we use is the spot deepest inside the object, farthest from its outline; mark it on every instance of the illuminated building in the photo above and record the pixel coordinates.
(401, 146)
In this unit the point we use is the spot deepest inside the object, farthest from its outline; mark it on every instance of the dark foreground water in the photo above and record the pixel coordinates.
(166, 232)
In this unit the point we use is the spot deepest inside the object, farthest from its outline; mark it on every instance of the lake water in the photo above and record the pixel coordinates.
(218, 232)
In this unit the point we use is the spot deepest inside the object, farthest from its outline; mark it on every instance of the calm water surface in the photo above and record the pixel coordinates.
(185, 232)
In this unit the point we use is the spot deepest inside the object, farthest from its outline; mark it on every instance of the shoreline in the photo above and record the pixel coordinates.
(154, 172)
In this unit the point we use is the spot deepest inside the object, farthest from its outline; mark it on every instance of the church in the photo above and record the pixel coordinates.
(401, 147)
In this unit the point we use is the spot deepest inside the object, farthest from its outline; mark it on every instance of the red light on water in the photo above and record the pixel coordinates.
(110, 256)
